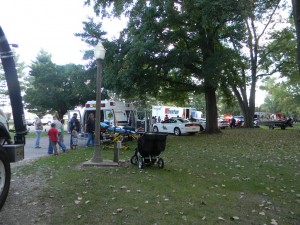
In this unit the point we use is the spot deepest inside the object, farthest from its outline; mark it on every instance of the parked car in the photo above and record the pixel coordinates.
(222, 123)
(202, 123)
(47, 119)
(177, 126)
(30, 122)
(239, 121)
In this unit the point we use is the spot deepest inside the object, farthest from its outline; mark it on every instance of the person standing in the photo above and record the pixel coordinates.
(58, 126)
(90, 129)
(74, 122)
(74, 137)
(232, 122)
(62, 130)
(166, 117)
(53, 137)
(38, 131)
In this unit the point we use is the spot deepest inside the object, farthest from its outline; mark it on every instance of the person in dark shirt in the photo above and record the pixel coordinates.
(74, 122)
(90, 130)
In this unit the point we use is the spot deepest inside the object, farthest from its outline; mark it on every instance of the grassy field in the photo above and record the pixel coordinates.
(241, 176)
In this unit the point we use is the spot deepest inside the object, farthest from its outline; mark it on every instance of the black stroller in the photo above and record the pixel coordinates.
(150, 145)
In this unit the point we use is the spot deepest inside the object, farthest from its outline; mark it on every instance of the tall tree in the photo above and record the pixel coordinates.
(169, 48)
(296, 14)
(258, 16)
(57, 88)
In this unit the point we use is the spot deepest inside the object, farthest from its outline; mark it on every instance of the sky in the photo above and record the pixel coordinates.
(49, 25)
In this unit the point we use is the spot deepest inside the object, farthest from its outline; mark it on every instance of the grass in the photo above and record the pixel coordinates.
(242, 176)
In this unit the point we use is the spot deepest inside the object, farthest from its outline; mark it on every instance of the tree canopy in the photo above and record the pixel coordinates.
(57, 88)
(170, 49)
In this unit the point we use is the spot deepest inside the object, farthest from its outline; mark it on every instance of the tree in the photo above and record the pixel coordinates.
(296, 14)
(258, 16)
(169, 49)
(282, 97)
(283, 93)
(57, 88)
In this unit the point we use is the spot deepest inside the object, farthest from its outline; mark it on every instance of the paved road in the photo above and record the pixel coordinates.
(31, 152)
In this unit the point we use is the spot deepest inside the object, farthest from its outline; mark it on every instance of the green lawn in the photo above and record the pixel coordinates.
(241, 176)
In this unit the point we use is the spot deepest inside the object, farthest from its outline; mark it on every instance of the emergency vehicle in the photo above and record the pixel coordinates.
(173, 111)
(113, 113)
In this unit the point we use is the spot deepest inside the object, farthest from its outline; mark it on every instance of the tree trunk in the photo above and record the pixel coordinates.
(296, 14)
(211, 110)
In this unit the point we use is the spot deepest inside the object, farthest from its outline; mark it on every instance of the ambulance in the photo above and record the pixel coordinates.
(113, 113)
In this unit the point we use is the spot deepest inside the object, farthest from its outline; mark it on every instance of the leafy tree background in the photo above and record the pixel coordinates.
(169, 49)
(57, 88)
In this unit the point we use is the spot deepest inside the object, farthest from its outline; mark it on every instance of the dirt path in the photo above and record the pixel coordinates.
(23, 205)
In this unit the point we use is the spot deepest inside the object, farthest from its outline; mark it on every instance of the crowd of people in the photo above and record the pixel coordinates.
(57, 131)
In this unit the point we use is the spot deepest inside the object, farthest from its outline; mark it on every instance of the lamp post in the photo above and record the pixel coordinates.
(99, 53)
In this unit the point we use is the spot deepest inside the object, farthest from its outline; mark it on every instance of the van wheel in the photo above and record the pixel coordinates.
(5, 174)
(49, 123)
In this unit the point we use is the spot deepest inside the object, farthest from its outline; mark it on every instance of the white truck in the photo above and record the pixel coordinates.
(173, 111)
(10, 150)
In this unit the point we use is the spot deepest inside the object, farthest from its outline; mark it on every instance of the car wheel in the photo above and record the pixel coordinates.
(160, 163)
(177, 131)
(5, 174)
(155, 129)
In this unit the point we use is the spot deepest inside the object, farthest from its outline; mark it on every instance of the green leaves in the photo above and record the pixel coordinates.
(57, 88)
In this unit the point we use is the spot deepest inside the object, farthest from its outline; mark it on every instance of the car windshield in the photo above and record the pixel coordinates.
(182, 120)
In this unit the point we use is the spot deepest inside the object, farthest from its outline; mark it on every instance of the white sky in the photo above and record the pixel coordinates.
(48, 25)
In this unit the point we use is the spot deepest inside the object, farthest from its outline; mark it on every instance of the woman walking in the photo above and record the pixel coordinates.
(38, 131)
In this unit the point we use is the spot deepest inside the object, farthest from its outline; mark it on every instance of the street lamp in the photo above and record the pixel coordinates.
(99, 53)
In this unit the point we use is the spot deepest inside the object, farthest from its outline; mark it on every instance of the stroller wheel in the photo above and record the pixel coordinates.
(160, 163)
(134, 160)
(141, 163)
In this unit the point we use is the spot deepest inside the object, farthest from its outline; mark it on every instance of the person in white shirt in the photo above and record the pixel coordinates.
(38, 131)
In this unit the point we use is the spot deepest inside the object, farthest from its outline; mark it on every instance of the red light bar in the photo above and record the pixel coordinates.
(102, 104)
(112, 103)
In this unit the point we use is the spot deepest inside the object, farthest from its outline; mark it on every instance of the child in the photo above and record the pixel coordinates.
(53, 137)
(74, 137)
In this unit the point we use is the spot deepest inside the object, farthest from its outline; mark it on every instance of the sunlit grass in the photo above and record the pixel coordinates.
(243, 176)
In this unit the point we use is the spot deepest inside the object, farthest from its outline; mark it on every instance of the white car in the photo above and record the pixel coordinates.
(202, 123)
(177, 126)
(222, 123)
(47, 119)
